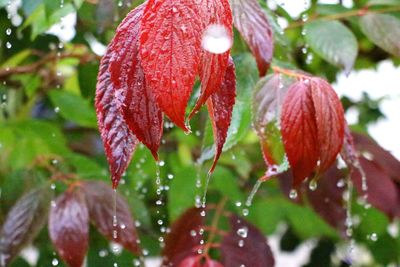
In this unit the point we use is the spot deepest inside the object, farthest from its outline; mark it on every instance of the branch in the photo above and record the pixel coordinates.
(353, 13)
(36, 66)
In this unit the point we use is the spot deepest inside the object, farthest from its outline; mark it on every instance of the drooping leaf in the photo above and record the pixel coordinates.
(381, 191)
(299, 130)
(213, 66)
(267, 103)
(184, 239)
(69, 227)
(329, 117)
(333, 41)
(252, 23)
(312, 122)
(99, 198)
(140, 110)
(220, 107)
(24, 221)
(170, 47)
(383, 30)
(245, 244)
(118, 141)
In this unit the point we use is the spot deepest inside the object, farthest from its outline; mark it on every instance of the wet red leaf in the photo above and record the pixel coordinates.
(313, 125)
(69, 227)
(170, 47)
(245, 244)
(252, 23)
(329, 116)
(140, 110)
(220, 107)
(382, 191)
(183, 239)
(23, 223)
(213, 66)
(99, 198)
(299, 131)
(196, 261)
(118, 141)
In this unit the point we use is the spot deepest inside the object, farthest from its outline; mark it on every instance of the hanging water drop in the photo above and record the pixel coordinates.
(8, 45)
(242, 232)
(293, 194)
(241, 243)
(216, 39)
(54, 262)
(374, 237)
(313, 185)
(8, 31)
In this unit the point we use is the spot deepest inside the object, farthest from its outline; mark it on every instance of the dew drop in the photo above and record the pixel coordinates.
(293, 194)
(216, 39)
(242, 232)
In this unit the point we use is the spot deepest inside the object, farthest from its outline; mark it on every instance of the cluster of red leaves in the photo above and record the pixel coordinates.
(243, 244)
(68, 221)
(382, 180)
(150, 69)
(311, 118)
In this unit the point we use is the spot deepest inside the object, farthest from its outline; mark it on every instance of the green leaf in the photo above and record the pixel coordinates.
(225, 182)
(384, 2)
(74, 108)
(16, 59)
(246, 78)
(383, 30)
(86, 167)
(182, 192)
(334, 42)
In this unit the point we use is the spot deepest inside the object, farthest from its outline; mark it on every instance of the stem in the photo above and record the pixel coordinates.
(290, 73)
(214, 225)
(351, 13)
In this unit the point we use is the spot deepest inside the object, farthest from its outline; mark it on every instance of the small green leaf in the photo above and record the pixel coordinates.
(383, 30)
(74, 108)
(334, 42)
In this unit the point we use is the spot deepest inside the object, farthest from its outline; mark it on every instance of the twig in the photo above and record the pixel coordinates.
(352, 13)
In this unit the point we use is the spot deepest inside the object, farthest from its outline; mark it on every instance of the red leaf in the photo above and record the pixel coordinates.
(213, 66)
(299, 131)
(69, 227)
(183, 239)
(140, 111)
(246, 245)
(23, 223)
(382, 192)
(196, 261)
(250, 20)
(313, 124)
(267, 102)
(330, 122)
(119, 142)
(99, 198)
(220, 107)
(384, 159)
(170, 41)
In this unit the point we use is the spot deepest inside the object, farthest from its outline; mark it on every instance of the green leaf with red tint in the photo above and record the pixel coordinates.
(245, 245)
(99, 198)
(170, 48)
(267, 101)
(118, 141)
(23, 223)
(69, 227)
(220, 107)
(313, 127)
(252, 23)
(299, 130)
(140, 110)
(216, 15)
(184, 238)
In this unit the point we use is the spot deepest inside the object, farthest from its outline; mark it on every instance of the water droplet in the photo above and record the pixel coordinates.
(340, 183)
(54, 262)
(8, 45)
(136, 262)
(103, 253)
(160, 222)
(241, 243)
(161, 163)
(245, 212)
(116, 248)
(193, 233)
(374, 237)
(53, 186)
(293, 194)
(56, 109)
(170, 176)
(242, 232)
(8, 31)
(313, 185)
(216, 39)
(238, 203)
(203, 213)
